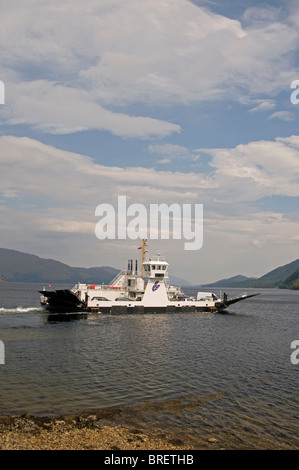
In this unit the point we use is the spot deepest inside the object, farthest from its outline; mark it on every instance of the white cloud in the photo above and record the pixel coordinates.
(262, 105)
(283, 116)
(262, 16)
(59, 109)
(257, 169)
(171, 152)
(48, 199)
(177, 52)
(48, 175)
(110, 65)
(69, 65)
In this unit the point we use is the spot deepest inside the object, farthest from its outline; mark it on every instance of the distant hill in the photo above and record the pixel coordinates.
(278, 276)
(177, 281)
(292, 282)
(16, 266)
(230, 282)
(286, 276)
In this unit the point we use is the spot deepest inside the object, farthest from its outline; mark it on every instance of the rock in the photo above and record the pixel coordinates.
(59, 422)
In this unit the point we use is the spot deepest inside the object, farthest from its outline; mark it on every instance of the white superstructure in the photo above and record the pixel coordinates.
(135, 292)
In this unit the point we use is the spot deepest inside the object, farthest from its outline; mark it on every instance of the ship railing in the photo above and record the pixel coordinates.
(239, 296)
(156, 258)
(121, 273)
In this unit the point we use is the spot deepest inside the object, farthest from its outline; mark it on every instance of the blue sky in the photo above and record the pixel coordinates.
(164, 101)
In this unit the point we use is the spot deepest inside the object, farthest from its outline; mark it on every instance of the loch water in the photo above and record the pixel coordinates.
(228, 376)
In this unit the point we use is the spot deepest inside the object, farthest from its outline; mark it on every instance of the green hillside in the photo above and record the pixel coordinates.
(286, 276)
(292, 282)
(234, 281)
(16, 266)
(278, 276)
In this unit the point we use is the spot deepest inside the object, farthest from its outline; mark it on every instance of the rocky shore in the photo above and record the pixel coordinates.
(91, 431)
(120, 429)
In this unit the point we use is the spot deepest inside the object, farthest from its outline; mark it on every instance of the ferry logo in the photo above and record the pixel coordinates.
(156, 286)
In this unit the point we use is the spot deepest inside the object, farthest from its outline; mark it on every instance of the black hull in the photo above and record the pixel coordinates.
(62, 300)
(119, 309)
(225, 304)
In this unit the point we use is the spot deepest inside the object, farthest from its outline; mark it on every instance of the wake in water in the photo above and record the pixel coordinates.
(20, 309)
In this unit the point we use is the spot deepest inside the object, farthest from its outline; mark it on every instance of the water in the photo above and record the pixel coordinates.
(228, 376)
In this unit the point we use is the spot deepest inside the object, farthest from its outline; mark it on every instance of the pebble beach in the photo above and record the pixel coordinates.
(110, 429)
(83, 432)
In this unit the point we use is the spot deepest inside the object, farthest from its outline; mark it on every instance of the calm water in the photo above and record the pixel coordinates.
(227, 376)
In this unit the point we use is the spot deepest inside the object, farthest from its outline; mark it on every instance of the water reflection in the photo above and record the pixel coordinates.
(65, 317)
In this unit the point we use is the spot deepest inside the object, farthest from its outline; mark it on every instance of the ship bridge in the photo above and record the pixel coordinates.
(155, 267)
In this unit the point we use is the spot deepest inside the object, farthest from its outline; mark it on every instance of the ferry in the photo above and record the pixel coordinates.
(131, 291)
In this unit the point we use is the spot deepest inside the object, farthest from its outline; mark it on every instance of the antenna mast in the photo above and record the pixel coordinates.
(143, 249)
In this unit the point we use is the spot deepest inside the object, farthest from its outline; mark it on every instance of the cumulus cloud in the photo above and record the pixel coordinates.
(283, 116)
(73, 65)
(62, 110)
(262, 105)
(257, 169)
(112, 65)
(42, 171)
(252, 171)
(54, 193)
(171, 152)
(180, 53)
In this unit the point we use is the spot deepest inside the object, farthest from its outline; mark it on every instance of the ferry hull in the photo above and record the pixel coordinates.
(65, 301)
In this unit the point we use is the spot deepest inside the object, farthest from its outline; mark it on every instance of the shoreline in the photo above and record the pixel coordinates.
(96, 430)
(116, 429)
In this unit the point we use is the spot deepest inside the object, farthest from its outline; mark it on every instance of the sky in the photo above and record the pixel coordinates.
(161, 101)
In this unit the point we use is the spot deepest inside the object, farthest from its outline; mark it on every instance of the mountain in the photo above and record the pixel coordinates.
(230, 282)
(177, 281)
(286, 276)
(278, 276)
(16, 266)
(292, 282)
